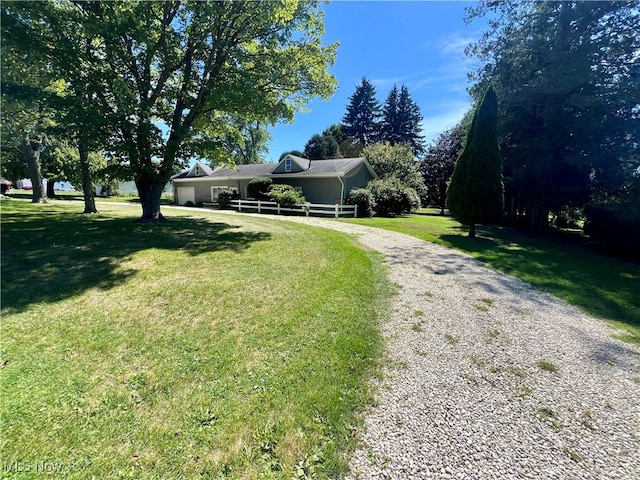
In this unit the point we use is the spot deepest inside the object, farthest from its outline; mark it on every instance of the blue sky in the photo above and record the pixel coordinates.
(419, 44)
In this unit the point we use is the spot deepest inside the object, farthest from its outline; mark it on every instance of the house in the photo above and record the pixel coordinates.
(321, 181)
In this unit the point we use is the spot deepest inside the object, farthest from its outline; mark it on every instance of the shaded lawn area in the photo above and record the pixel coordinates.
(210, 346)
(601, 285)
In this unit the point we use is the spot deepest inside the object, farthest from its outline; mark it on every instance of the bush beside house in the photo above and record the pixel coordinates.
(286, 195)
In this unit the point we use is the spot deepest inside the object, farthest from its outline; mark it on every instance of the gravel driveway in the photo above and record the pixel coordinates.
(489, 378)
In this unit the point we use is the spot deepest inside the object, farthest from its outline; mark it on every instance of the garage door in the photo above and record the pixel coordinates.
(186, 194)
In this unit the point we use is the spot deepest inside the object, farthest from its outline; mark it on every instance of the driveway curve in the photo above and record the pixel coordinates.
(490, 378)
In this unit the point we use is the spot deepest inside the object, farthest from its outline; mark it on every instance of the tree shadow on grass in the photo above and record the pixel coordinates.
(598, 284)
(48, 256)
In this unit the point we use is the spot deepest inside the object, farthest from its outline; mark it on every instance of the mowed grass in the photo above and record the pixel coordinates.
(600, 285)
(211, 346)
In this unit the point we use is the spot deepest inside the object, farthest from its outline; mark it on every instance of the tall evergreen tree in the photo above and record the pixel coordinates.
(476, 192)
(409, 118)
(401, 119)
(390, 127)
(361, 122)
(567, 76)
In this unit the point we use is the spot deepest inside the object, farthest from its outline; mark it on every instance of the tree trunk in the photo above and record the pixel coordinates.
(51, 192)
(87, 183)
(150, 193)
(31, 151)
(472, 230)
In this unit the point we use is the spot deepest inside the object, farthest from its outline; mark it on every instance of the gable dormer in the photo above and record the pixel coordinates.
(292, 164)
(200, 170)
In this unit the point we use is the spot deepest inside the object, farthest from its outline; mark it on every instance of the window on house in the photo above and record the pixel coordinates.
(215, 191)
(287, 165)
(197, 170)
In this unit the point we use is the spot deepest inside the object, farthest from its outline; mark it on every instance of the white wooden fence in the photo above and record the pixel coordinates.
(304, 208)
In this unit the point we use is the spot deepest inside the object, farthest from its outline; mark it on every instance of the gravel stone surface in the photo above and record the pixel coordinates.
(489, 378)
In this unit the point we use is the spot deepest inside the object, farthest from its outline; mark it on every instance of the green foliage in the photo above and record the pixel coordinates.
(295, 153)
(258, 188)
(170, 91)
(392, 197)
(247, 142)
(285, 195)
(395, 161)
(224, 199)
(363, 198)
(566, 74)
(475, 194)
(616, 225)
(321, 147)
(439, 162)
(361, 122)
(401, 120)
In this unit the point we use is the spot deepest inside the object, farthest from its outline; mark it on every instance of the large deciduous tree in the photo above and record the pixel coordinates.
(51, 40)
(23, 114)
(168, 76)
(395, 161)
(476, 193)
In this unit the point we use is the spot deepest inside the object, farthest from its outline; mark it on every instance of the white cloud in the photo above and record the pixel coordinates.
(385, 83)
(445, 116)
(455, 43)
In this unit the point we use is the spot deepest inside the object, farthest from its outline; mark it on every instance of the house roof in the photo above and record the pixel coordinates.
(311, 168)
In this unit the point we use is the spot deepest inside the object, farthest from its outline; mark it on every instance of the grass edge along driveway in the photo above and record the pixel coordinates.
(208, 346)
(598, 284)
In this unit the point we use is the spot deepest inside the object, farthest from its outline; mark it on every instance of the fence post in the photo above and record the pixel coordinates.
(258, 206)
(355, 211)
(308, 208)
(336, 210)
(278, 209)
(239, 205)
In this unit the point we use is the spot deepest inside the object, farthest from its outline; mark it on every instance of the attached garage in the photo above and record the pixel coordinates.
(186, 194)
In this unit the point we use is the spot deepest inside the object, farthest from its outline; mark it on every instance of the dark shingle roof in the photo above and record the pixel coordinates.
(313, 168)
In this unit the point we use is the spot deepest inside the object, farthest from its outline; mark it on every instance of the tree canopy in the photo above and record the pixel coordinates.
(401, 119)
(567, 74)
(169, 75)
(361, 121)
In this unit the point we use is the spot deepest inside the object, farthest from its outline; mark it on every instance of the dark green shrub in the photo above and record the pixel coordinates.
(364, 200)
(258, 188)
(392, 198)
(189, 204)
(224, 199)
(616, 227)
(285, 195)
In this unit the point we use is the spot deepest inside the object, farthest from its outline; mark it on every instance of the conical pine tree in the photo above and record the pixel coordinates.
(390, 127)
(409, 118)
(361, 122)
(476, 192)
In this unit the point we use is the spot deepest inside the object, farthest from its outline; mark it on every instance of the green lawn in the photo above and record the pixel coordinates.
(210, 346)
(600, 285)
